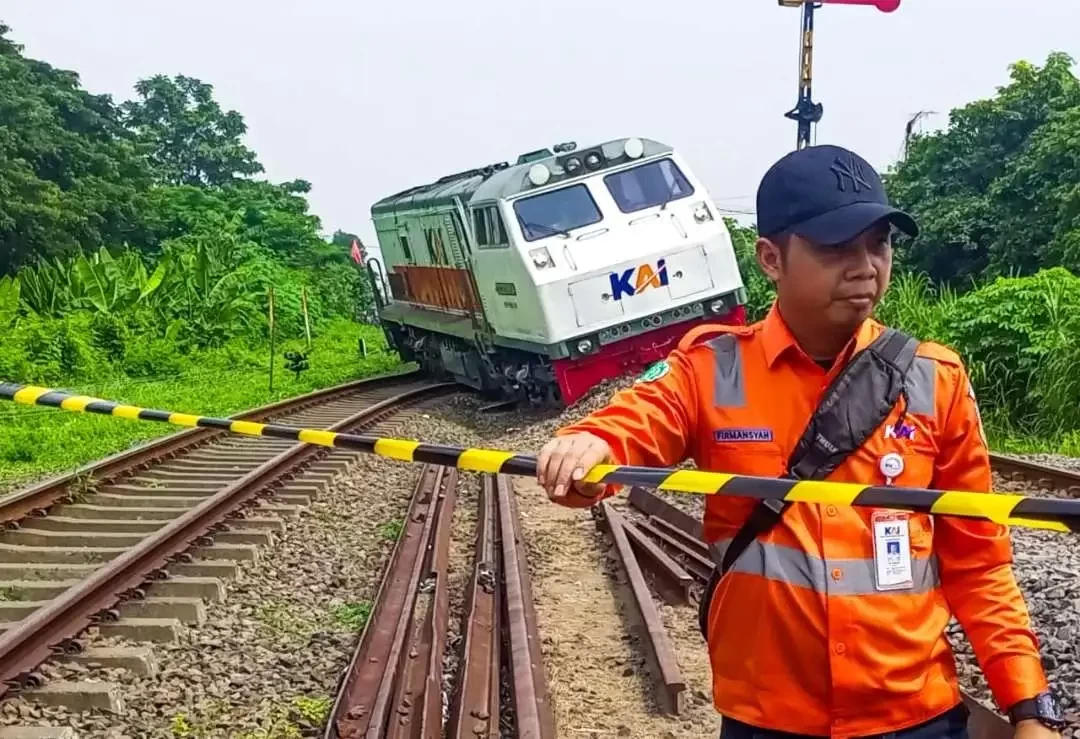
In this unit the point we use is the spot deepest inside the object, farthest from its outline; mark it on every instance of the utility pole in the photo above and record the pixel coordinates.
(806, 112)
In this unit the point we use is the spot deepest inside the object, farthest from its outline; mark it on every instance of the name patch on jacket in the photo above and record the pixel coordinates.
(743, 434)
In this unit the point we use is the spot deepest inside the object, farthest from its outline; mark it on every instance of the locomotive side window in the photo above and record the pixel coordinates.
(556, 212)
(496, 220)
(480, 226)
(405, 247)
(648, 185)
(489, 228)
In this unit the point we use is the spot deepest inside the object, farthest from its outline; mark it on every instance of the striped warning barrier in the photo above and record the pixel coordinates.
(1004, 508)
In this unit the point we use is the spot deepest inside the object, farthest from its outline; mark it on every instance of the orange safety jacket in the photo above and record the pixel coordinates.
(800, 638)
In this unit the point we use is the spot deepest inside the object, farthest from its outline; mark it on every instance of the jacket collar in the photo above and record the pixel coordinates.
(777, 338)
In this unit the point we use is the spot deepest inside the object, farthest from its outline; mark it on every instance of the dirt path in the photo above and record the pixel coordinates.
(596, 667)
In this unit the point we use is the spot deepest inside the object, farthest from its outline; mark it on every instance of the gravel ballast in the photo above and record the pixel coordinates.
(266, 662)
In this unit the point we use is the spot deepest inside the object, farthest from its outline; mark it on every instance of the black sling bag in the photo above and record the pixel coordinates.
(855, 403)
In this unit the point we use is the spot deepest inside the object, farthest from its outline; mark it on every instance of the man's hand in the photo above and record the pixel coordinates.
(565, 460)
(1032, 729)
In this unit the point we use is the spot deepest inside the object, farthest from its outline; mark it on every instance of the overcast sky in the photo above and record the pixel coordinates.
(364, 99)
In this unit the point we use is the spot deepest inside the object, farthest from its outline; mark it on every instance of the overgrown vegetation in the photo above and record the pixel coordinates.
(221, 381)
(279, 720)
(137, 259)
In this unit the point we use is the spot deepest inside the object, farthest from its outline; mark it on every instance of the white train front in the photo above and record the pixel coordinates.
(543, 278)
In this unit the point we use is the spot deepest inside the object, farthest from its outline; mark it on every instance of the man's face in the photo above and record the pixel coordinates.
(835, 287)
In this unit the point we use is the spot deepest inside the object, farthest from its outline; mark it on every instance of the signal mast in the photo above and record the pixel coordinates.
(806, 111)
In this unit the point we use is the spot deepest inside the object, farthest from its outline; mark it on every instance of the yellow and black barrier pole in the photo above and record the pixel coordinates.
(1004, 508)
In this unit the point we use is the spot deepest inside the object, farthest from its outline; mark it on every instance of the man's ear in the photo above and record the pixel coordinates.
(770, 258)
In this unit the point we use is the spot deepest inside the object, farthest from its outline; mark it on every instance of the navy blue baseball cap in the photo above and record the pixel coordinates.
(826, 194)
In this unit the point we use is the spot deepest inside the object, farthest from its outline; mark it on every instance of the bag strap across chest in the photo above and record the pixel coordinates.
(854, 404)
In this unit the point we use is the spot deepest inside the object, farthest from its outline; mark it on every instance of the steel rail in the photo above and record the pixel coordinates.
(362, 704)
(533, 716)
(668, 679)
(1043, 474)
(475, 709)
(30, 641)
(40, 496)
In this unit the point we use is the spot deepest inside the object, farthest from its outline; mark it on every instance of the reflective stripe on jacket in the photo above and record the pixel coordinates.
(800, 638)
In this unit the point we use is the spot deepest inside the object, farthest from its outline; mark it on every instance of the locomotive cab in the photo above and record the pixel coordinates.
(577, 265)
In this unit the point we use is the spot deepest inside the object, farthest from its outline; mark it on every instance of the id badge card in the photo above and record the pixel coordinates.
(892, 551)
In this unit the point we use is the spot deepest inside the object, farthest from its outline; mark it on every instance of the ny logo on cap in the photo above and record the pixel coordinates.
(851, 169)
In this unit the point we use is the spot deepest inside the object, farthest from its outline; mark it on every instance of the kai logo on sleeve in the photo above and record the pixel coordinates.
(637, 280)
(655, 371)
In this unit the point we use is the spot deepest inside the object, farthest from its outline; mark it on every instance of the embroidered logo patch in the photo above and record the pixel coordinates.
(743, 434)
(655, 371)
(900, 431)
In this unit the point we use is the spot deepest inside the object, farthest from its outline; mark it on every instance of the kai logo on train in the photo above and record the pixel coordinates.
(637, 280)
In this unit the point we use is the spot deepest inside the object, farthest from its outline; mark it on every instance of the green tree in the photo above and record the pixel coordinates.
(995, 191)
(70, 174)
(188, 138)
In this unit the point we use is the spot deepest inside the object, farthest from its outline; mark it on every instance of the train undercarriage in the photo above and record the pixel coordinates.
(496, 372)
(512, 375)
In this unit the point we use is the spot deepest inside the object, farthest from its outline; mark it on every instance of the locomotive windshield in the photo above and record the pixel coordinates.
(556, 212)
(647, 185)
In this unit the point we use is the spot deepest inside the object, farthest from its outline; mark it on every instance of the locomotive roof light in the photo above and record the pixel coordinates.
(539, 174)
(565, 146)
(634, 148)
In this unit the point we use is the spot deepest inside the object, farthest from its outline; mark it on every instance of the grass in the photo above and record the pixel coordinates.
(36, 441)
(353, 616)
(281, 720)
(391, 530)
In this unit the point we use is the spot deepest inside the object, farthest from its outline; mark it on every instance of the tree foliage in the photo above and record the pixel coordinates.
(70, 174)
(139, 230)
(998, 191)
(189, 140)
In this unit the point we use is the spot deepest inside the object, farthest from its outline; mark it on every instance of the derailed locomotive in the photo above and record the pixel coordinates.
(542, 278)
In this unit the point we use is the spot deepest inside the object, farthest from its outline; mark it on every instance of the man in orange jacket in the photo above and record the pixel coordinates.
(827, 620)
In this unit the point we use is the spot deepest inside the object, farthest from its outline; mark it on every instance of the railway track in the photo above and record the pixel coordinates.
(1066, 482)
(395, 684)
(133, 543)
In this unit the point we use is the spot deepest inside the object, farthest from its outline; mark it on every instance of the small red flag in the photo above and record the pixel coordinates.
(355, 253)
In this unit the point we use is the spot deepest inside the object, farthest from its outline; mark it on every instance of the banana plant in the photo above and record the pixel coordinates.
(9, 301)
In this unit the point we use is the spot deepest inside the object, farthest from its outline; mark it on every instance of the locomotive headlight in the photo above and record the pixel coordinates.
(634, 148)
(584, 346)
(539, 174)
(541, 257)
(592, 160)
(716, 307)
(572, 165)
(702, 214)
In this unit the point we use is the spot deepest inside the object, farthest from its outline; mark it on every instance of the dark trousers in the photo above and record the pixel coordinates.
(950, 725)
